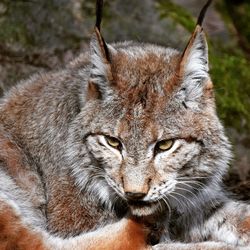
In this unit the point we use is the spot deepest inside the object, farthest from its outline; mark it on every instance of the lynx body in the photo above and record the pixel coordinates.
(125, 130)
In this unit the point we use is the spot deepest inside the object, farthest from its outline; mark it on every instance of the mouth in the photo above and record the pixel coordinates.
(138, 203)
(142, 208)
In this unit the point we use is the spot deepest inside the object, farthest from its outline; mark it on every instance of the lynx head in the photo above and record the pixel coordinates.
(148, 133)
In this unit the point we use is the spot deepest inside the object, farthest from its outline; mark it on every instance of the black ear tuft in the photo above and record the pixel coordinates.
(99, 7)
(99, 85)
(203, 13)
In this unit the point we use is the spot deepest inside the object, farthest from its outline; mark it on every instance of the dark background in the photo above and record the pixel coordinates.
(43, 35)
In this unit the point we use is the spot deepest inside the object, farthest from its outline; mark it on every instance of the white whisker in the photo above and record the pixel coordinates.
(192, 178)
(180, 202)
(190, 201)
(184, 189)
(203, 188)
(169, 208)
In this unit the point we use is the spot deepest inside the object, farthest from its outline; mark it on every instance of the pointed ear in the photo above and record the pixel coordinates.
(194, 61)
(195, 55)
(194, 67)
(100, 71)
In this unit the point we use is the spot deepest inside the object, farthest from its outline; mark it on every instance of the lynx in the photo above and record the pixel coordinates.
(121, 149)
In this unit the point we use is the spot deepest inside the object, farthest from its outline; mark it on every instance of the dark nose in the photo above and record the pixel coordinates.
(134, 196)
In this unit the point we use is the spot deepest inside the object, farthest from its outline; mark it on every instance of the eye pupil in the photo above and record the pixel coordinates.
(164, 145)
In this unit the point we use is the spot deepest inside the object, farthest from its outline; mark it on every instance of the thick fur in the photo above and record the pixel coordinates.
(61, 178)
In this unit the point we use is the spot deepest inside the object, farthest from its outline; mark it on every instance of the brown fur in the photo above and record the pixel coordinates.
(134, 81)
(244, 226)
(93, 92)
(131, 237)
(17, 166)
(65, 211)
(13, 235)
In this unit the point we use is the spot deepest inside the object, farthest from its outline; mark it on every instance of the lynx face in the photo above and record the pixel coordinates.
(148, 133)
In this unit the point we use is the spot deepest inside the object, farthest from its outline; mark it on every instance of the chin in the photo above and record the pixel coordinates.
(145, 209)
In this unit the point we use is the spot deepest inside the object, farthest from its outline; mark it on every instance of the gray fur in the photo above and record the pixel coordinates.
(61, 132)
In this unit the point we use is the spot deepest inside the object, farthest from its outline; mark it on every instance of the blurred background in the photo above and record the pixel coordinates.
(42, 35)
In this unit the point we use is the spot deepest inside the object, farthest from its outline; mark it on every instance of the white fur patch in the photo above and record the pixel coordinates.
(197, 60)
(195, 72)
(115, 151)
(167, 153)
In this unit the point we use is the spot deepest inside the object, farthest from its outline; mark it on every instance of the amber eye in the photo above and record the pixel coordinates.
(113, 142)
(164, 145)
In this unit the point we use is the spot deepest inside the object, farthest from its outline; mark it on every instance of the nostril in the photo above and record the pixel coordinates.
(134, 195)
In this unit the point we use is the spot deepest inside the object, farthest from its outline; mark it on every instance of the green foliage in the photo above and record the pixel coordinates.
(244, 12)
(231, 76)
(240, 17)
(169, 9)
(12, 31)
(34, 24)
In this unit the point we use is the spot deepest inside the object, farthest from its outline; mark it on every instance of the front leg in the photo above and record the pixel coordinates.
(227, 228)
(123, 235)
(208, 245)
(17, 232)
(229, 224)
